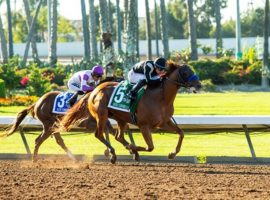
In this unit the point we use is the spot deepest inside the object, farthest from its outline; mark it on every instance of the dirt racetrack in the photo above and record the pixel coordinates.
(54, 179)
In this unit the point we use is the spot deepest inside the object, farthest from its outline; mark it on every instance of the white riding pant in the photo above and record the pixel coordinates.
(135, 77)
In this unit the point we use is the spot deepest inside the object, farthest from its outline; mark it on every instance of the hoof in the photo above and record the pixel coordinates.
(171, 156)
(136, 156)
(113, 159)
(107, 153)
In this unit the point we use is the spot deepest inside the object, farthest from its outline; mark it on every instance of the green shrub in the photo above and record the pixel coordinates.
(208, 86)
(38, 84)
(2, 89)
(212, 69)
(8, 74)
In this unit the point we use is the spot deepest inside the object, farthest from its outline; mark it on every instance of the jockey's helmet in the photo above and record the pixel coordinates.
(160, 63)
(97, 70)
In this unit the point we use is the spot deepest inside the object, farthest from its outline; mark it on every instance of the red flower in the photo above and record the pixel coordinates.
(24, 81)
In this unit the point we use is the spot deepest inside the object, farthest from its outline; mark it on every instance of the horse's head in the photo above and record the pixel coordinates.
(183, 76)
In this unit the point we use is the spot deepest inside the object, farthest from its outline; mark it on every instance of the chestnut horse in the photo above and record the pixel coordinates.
(154, 110)
(42, 110)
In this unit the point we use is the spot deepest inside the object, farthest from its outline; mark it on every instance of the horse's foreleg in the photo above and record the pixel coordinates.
(171, 127)
(147, 138)
(60, 142)
(119, 136)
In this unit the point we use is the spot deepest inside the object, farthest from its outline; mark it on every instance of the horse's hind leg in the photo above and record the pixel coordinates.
(39, 140)
(120, 138)
(171, 127)
(101, 122)
(60, 142)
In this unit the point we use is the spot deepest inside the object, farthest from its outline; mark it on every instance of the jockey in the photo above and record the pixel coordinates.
(146, 72)
(84, 81)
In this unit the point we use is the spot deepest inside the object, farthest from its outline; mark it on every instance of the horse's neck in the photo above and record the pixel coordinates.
(170, 91)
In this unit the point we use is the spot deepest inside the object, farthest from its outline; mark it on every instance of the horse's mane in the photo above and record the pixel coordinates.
(172, 66)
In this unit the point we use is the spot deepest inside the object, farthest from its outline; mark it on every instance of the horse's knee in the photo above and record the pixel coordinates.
(150, 148)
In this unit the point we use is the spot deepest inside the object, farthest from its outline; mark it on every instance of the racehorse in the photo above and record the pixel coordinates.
(154, 110)
(42, 110)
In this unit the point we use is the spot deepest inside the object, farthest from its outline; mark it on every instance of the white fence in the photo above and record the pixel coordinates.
(192, 123)
(76, 49)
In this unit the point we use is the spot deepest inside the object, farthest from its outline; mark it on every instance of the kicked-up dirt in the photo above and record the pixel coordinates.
(55, 179)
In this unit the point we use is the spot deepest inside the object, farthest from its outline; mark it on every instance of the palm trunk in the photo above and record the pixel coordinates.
(53, 36)
(156, 29)
(192, 31)
(10, 33)
(85, 32)
(33, 39)
(218, 29)
(31, 33)
(265, 70)
(148, 31)
(119, 27)
(131, 35)
(93, 30)
(164, 32)
(106, 35)
(3, 40)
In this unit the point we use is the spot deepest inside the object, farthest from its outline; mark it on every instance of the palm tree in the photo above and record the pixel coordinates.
(156, 28)
(218, 29)
(119, 27)
(85, 31)
(265, 70)
(192, 31)
(33, 39)
(53, 33)
(3, 40)
(10, 34)
(131, 34)
(164, 31)
(31, 33)
(106, 35)
(148, 31)
(93, 30)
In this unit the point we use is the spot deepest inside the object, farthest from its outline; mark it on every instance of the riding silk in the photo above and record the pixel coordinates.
(119, 99)
(61, 105)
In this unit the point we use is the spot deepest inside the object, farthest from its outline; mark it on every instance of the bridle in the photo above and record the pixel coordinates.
(181, 82)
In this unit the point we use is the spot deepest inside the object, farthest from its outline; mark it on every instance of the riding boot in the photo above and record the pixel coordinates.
(73, 99)
(133, 92)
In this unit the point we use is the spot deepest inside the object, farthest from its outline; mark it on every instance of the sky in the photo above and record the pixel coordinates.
(73, 10)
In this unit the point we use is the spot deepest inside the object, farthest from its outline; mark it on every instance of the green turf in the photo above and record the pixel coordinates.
(230, 103)
(222, 144)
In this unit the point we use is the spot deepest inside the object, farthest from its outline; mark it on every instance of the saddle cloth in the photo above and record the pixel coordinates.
(119, 99)
(61, 105)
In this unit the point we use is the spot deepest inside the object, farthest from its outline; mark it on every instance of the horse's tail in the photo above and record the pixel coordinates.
(20, 117)
(75, 115)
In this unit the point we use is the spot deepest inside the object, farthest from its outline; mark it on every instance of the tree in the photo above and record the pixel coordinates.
(106, 35)
(31, 33)
(93, 30)
(218, 29)
(33, 39)
(4, 50)
(148, 31)
(85, 32)
(119, 27)
(164, 32)
(53, 32)
(192, 31)
(131, 35)
(265, 70)
(156, 29)
(10, 33)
